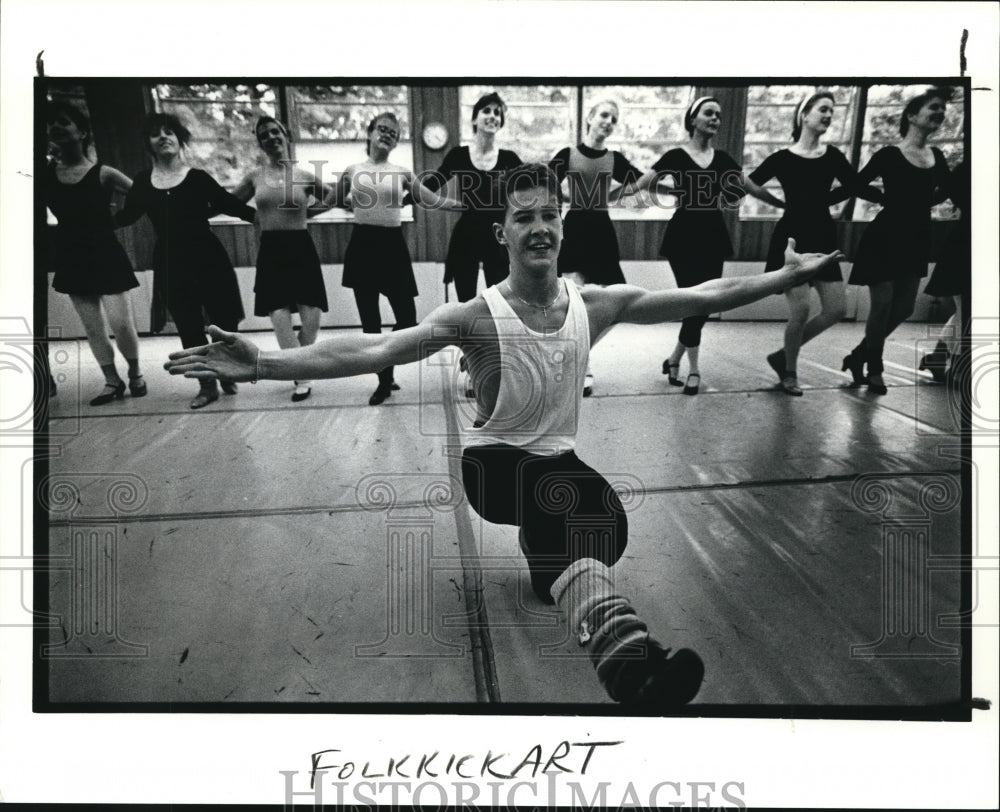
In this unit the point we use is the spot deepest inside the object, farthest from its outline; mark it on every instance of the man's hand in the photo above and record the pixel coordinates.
(804, 266)
(229, 356)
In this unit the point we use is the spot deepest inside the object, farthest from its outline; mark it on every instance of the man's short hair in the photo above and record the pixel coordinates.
(527, 176)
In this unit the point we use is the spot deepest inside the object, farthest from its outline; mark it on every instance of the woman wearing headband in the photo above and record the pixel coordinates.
(806, 171)
(193, 275)
(589, 252)
(377, 260)
(477, 167)
(91, 267)
(696, 242)
(895, 249)
(289, 276)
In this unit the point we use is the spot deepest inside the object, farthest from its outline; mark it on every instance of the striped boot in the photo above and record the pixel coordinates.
(633, 668)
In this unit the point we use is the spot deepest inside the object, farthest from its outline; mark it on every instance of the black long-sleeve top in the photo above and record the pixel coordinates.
(183, 210)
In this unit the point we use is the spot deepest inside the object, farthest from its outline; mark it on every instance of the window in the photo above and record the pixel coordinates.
(221, 119)
(329, 125)
(540, 119)
(884, 106)
(770, 110)
(650, 122)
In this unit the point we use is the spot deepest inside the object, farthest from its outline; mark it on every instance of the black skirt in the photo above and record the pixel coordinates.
(895, 246)
(590, 248)
(472, 242)
(91, 263)
(953, 271)
(288, 273)
(817, 234)
(377, 259)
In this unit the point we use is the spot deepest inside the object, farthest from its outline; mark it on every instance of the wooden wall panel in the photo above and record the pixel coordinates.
(117, 110)
(429, 104)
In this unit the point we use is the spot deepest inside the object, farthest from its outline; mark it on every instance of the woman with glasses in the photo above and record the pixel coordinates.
(289, 276)
(91, 266)
(477, 168)
(894, 251)
(193, 275)
(377, 260)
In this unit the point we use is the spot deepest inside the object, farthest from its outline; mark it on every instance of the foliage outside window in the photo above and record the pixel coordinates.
(768, 129)
(329, 124)
(884, 107)
(221, 119)
(650, 122)
(540, 119)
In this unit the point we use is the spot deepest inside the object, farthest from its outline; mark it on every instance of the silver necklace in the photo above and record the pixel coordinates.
(543, 308)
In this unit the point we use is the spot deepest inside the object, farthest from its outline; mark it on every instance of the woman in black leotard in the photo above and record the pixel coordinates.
(194, 276)
(589, 252)
(477, 168)
(90, 264)
(895, 248)
(806, 171)
(696, 242)
(952, 277)
(289, 277)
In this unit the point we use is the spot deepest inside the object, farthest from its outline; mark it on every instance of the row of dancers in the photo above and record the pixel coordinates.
(194, 278)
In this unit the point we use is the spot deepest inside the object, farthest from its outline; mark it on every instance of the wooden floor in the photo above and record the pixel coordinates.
(264, 551)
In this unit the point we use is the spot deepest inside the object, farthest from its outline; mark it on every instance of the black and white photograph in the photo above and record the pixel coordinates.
(618, 425)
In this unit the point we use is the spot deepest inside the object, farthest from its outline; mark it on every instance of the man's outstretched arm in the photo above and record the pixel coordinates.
(639, 306)
(236, 358)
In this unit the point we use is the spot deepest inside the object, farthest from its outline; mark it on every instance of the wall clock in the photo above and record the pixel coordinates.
(435, 135)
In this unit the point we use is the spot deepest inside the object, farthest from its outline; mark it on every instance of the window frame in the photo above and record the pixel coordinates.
(285, 104)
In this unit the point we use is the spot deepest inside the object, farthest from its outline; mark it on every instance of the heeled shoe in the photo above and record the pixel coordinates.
(302, 391)
(790, 385)
(229, 387)
(876, 388)
(204, 397)
(935, 364)
(112, 391)
(588, 385)
(692, 388)
(673, 372)
(776, 360)
(380, 395)
(137, 387)
(856, 366)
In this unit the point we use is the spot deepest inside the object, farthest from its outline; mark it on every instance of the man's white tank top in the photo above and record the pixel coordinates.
(541, 379)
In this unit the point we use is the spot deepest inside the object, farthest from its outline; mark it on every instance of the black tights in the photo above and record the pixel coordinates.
(691, 330)
(566, 510)
(891, 304)
(404, 310)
